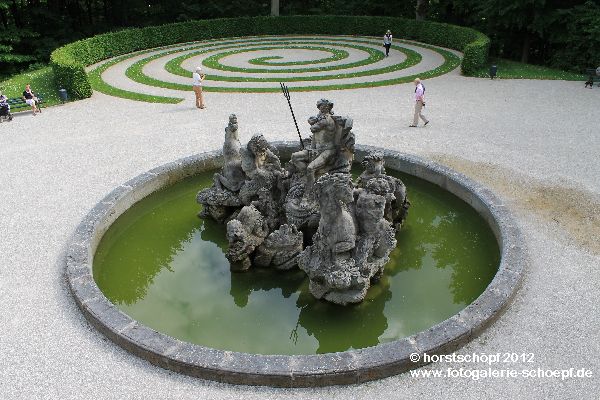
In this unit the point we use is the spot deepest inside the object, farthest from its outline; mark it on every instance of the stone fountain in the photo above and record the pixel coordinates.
(308, 213)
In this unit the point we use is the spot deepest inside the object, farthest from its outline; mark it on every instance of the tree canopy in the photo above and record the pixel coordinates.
(561, 33)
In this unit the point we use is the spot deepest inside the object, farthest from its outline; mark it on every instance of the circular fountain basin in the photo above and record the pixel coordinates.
(154, 278)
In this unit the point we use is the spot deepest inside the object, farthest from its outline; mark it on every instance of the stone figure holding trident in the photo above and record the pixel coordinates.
(324, 144)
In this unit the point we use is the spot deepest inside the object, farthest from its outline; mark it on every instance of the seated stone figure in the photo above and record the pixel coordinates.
(331, 147)
(261, 167)
(222, 199)
(262, 212)
(397, 204)
(329, 150)
(280, 248)
(353, 241)
(245, 233)
(328, 262)
(376, 235)
(232, 176)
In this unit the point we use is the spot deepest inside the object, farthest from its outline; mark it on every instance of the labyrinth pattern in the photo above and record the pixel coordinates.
(258, 64)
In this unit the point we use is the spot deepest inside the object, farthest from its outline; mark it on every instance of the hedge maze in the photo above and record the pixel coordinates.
(308, 53)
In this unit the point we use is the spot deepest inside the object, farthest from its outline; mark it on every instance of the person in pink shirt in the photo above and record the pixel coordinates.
(419, 103)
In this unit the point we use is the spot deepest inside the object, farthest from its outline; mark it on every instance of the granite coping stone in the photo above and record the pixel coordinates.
(348, 367)
(116, 194)
(386, 359)
(77, 260)
(84, 288)
(444, 337)
(107, 314)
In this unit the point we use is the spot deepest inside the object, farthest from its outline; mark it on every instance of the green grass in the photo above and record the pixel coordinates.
(134, 72)
(516, 70)
(41, 81)
(213, 61)
(173, 66)
(336, 56)
(95, 77)
(412, 58)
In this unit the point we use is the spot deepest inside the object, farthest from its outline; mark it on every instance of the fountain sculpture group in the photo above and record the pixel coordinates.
(309, 214)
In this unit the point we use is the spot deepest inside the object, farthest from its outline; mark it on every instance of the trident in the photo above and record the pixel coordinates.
(286, 93)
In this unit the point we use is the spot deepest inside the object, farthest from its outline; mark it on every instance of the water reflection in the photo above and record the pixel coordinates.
(357, 326)
(139, 260)
(167, 269)
(243, 284)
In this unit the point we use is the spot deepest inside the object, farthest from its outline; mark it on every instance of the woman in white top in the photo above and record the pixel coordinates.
(198, 77)
(387, 42)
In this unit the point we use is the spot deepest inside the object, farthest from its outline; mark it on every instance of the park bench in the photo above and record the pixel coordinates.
(592, 77)
(17, 103)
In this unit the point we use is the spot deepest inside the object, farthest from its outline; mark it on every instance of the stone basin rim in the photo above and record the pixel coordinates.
(348, 367)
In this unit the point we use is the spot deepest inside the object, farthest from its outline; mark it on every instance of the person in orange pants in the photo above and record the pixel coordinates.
(198, 77)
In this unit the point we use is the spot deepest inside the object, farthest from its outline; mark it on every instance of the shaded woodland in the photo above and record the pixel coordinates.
(558, 33)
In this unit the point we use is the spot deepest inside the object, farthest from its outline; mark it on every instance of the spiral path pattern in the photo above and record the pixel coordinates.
(258, 64)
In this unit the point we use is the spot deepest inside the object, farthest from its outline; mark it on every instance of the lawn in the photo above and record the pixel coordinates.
(41, 81)
(516, 70)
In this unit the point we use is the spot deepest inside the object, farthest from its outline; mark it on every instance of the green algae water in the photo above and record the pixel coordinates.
(166, 268)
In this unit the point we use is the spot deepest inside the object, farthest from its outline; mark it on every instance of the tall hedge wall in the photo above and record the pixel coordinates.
(69, 62)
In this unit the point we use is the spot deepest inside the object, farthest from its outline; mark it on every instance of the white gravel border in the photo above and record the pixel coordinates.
(513, 135)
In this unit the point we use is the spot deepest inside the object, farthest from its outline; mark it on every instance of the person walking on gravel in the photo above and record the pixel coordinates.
(387, 42)
(419, 103)
(198, 77)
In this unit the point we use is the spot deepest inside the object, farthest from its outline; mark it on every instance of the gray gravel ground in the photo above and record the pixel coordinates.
(535, 143)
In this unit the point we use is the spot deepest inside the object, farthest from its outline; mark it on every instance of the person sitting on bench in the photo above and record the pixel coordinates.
(31, 99)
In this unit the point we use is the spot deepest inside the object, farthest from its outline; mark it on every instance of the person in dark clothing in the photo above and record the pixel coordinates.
(387, 42)
(31, 99)
(4, 108)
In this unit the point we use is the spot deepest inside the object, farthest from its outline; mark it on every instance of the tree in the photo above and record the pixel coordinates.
(575, 40)
(421, 9)
(10, 37)
(275, 8)
(525, 21)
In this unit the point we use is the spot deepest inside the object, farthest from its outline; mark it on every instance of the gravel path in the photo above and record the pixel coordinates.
(532, 142)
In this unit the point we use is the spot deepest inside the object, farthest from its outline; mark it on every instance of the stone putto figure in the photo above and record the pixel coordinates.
(281, 248)
(397, 204)
(261, 167)
(222, 199)
(309, 214)
(245, 233)
(232, 177)
(328, 262)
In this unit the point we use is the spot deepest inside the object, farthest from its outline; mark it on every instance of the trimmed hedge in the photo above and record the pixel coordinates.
(69, 62)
